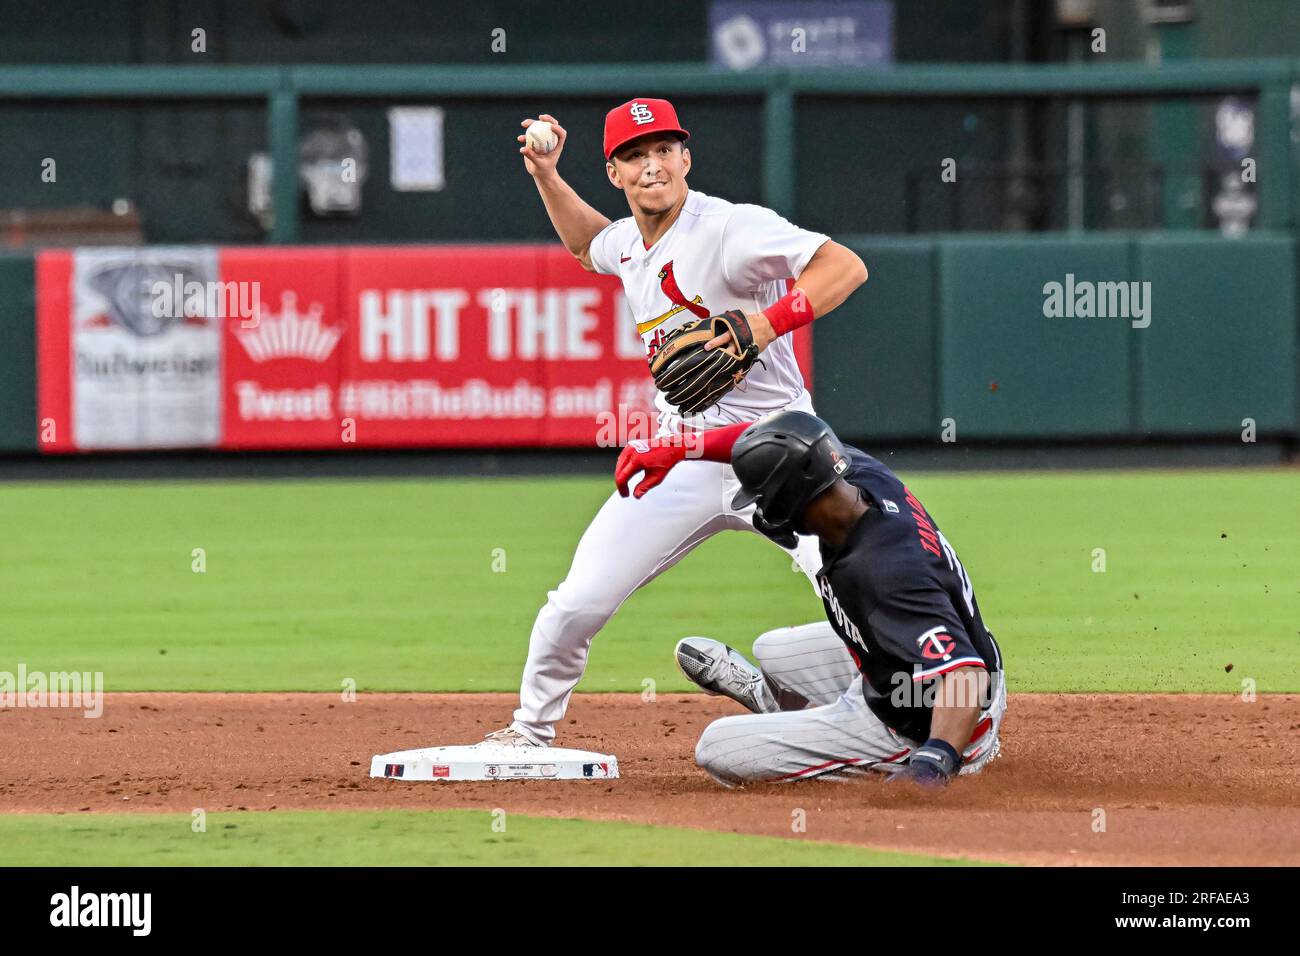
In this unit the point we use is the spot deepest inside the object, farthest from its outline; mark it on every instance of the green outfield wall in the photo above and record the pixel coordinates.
(951, 330)
(952, 334)
(957, 335)
(17, 353)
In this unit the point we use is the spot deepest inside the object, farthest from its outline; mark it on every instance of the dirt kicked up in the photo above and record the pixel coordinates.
(1084, 779)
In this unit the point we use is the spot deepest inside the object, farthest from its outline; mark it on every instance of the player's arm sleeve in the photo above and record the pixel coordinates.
(759, 246)
(920, 626)
(602, 253)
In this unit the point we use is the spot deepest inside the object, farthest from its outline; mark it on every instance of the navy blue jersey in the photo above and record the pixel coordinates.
(900, 599)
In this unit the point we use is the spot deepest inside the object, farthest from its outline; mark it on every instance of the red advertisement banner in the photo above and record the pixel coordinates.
(54, 350)
(282, 367)
(402, 346)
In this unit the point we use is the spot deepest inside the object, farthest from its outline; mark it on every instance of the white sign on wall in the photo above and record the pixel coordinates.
(146, 368)
(415, 148)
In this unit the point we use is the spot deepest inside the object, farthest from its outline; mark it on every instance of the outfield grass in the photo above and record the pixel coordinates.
(403, 838)
(391, 582)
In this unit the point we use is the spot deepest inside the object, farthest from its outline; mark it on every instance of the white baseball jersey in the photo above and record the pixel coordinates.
(717, 256)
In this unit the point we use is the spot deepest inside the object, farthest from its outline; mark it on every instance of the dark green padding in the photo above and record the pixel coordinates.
(17, 353)
(873, 359)
(1222, 343)
(1007, 370)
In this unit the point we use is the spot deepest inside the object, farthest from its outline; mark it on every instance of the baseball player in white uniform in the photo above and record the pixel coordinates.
(681, 255)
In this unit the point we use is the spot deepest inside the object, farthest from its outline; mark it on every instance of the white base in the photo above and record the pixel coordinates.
(494, 762)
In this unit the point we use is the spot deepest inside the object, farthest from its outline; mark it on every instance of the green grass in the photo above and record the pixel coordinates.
(403, 838)
(391, 582)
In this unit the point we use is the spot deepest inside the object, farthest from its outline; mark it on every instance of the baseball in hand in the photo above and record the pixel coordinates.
(540, 137)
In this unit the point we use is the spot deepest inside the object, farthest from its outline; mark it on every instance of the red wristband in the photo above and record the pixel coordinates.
(792, 311)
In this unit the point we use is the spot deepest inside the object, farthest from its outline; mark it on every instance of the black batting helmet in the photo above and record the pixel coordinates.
(784, 461)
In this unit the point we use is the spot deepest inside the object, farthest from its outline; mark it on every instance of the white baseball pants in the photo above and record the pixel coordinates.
(629, 543)
(838, 736)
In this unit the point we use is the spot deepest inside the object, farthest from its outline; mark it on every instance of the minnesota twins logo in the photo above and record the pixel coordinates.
(936, 644)
(641, 114)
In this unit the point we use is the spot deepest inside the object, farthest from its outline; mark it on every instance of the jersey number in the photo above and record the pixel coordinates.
(967, 591)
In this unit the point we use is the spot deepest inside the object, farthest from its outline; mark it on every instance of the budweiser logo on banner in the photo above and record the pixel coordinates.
(140, 375)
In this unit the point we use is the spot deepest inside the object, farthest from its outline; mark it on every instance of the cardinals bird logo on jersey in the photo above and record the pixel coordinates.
(668, 284)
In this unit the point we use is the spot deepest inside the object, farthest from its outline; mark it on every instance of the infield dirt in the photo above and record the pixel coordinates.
(1083, 779)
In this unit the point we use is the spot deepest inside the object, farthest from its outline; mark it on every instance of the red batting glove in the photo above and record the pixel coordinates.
(656, 458)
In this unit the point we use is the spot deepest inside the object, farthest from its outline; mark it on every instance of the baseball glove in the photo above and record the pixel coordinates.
(693, 379)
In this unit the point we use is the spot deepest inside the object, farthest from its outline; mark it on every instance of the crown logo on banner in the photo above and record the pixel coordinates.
(289, 334)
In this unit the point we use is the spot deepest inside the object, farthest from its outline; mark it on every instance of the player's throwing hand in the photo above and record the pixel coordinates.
(541, 164)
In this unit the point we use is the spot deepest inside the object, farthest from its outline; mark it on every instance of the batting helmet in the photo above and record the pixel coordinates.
(784, 461)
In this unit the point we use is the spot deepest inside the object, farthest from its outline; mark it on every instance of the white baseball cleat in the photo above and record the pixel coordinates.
(509, 737)
(720, 669)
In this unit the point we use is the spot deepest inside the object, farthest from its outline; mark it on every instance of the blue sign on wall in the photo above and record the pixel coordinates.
(749, 33)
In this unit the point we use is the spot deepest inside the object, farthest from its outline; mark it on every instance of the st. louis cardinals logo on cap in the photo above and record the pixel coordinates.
(936, 644)
(638, 117)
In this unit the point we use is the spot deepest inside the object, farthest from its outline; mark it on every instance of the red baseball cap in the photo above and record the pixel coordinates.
(638, 117)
